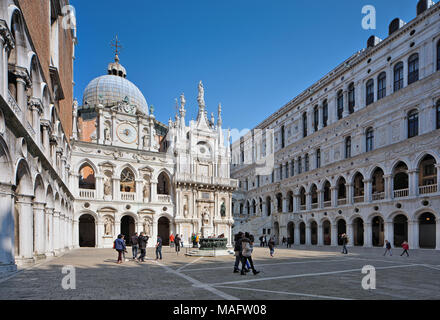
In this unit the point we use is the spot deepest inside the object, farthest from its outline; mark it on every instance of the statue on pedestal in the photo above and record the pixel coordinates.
(146, 190)
(223, 210)
(107, 187)
(108, 227)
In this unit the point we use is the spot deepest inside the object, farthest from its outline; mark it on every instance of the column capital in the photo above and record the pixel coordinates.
(6, 35)
(24, 198)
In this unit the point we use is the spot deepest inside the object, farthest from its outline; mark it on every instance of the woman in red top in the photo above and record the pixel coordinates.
(405, 247)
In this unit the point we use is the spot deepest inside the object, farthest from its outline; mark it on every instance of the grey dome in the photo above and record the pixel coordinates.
(111, 89)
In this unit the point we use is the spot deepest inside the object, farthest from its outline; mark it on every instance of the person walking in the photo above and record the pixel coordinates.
(265, 241)
(123, 253)
(284, 241)
(271, 245)
(261, 241)
(388, 248)
(247, 249)
(405, 247)
(344, 240)
(289, 242)
(177, 243)
(159, 248)
(237, 251)
(134, 245)
(181, 240)
(120, 247)
(142, 242)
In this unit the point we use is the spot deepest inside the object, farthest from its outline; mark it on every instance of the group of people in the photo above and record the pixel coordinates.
(138, 244)
(176, 241)
(244, 246)
(405, 246)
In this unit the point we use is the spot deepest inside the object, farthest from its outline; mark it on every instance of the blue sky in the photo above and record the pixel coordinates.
(253, 56)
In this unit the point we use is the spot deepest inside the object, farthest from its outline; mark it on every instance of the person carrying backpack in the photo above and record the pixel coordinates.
(388, 248)
(405, 247)
(119, 246)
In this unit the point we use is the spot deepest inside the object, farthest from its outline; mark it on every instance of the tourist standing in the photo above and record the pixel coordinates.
(388, 248)
(171, 240)
(159, 248)
(134, 245)
(247, 249)
(265, 241)
(405, 247)
(289, 242)
(271, 246)
(284, 241)
(344, 239)
(119, 246)
(177, 243)
(261, 241)
(237, 251)
(142, 242)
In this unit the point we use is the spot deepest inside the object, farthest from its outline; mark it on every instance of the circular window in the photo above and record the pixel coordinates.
(86, 205)
(398, 206)
(425, 203)
(164, 208)
(127, 207)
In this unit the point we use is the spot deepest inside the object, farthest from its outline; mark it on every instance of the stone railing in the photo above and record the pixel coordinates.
(327, 204)
(87, 193)
(428, 189)
(186, 177)
(342, 202)
(164, 198)
(378, 196)
(14, 105)
(128, 196)
(358, 199)
(314, 206)
(401, 193)
(302, 207)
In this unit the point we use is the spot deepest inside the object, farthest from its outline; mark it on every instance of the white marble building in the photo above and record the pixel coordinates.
(131, 173)
(358, 152)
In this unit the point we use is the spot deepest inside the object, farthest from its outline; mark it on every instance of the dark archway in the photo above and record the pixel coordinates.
(314, 233)
(87, 231)
(291, 232)
(128, 228)
(302, 233)
(342, 228)
(163, 230)
(358, 232)
(400, 230)
(326, 230)
(378, 232)
(427, 236)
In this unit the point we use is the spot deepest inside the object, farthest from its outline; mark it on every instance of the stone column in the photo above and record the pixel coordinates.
(413, 182)
(99, 225)
(285, 205)
(21, 98)
(139, 190)
(437, 232)
(368, 184)
(413, 234)
(39, 219)
(350, 234)
(99, 186)
(7, 220)
(308, 201)
(334, 234)
(153, 193)
(116, 188)
(389, 232)
(308, 235)
(3, 58)
(46, 145)
(345, 95)
(100, 125)
(368, 241)
(296, 202)
(75, 233)
(49, 231)
(387, 186)
(320, 117)
(296, 235)
(26, 221)
(56, 232)
(36, 121)
(350, 190)
(320, 199)
(320, 235)
(334, 196)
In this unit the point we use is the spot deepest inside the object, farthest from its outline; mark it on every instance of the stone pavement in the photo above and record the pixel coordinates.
(305, 273)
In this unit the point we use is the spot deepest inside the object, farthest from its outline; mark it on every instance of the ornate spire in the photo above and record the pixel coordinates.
(219, 120)
(201, 97)
(182, 105)
(115, 68)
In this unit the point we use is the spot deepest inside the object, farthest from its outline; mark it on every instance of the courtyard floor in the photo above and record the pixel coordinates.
(305, 273)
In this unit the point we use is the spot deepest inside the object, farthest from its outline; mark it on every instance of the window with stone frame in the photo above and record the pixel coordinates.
(413, 123)
(413, 68)
(325, 113)
(351, 98)
(369, 92)
(340, 104)
(398, 76)
(347, 147)
(292, 168)
(315, 118)
(369, 137)
(306, 163)
(127, 181)
(318, 158)
(381, 86)
(304, 120)
(299, 165)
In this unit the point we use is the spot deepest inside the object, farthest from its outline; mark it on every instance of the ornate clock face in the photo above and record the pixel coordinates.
(127, 133)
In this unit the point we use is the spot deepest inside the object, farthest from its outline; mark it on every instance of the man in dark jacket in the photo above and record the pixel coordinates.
(177, 243)
(134, 245)
(238, 251)
(142, 242)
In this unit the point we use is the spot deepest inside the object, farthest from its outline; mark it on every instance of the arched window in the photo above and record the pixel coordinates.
(413, 123)
(318, 158)
(351, 98)
(306, 163)
(302, 196)
(438, 114)
(87, 177)
(340, 104)
(398, 76)
(369, 136)
(413, 68)
(127, 181)
(370, 92)
(304, 125)
(325, 113)
(347, 147)
(292, 168)
(381, 86)
(299, 165)
(315, 118)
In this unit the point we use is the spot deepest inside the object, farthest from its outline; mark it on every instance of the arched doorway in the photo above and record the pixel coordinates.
(427, 236)
(400, 230)
(87, 231)
(291, 232)
(314, 233)
(326, 230)
(302, 233)
(163, 230)
(358, 232)
(128, 228)
(378, 232)
(342, 228)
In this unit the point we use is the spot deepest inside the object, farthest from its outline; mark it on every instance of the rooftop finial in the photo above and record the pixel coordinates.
(117, 45)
